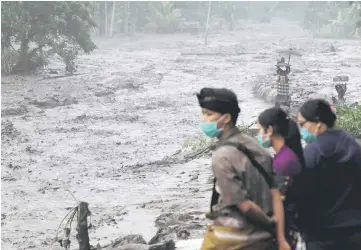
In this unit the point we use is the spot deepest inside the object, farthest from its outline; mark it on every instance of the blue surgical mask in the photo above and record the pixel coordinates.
(264, 143)
(211, 129)
(307, 136)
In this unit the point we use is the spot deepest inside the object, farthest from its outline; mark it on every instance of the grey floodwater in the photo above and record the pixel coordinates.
(100, 134)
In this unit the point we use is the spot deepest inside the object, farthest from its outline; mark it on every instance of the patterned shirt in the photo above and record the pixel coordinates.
(283, 88)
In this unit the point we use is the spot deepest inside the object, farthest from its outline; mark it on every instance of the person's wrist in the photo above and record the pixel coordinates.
(280, 236)
(281, 239)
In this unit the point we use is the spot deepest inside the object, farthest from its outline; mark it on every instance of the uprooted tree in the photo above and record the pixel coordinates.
(32, 31)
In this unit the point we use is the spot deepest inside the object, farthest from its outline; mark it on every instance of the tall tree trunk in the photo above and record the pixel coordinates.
(207, 23)
(112, 19)
(24, 47)
(106, 18)
(126, 17)
(24, 61)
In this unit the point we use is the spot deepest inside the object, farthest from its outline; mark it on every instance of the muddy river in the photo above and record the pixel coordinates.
(103, 135)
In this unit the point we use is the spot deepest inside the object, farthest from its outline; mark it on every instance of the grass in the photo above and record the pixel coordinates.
(349, 119)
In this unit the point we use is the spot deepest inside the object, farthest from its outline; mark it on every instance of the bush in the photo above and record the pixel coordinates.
(197, 143)
(9, 57)
(33, 29)
(349, 119)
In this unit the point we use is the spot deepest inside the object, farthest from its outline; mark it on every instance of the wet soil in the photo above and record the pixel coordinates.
(104, 134)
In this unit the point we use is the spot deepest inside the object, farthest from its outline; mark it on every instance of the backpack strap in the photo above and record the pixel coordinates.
(244, 150)
(250, 156)
(215, 195)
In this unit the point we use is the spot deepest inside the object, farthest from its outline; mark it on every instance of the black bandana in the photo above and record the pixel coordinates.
(219, 100)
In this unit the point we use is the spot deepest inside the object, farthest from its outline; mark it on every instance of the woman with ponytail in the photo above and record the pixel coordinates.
(278, 131)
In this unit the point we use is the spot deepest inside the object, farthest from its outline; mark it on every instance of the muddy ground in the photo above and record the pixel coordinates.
(104, 134)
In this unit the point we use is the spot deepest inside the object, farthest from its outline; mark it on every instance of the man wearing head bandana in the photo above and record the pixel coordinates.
(242, 198)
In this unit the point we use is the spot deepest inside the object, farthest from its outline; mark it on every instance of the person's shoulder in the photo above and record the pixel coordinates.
(253, 146)
(260, 154)
(331, 140)
(354, 143)
(349, 136)
(248, 141)
(290, 153)
(291, 158)
(231, 153)
(223, 153)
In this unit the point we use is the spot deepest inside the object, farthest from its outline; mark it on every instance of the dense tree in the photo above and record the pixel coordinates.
(34, 29)
(334, 19)
(164, 17)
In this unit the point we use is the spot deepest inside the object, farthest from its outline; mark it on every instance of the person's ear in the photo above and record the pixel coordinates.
(269, 131)
(320, 126)
(227, 119)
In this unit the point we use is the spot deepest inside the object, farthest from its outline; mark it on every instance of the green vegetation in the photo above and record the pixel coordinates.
(163, 18)
(197, 143)
(340, 18)
(31, 31)
(334, 19)
(349, 119)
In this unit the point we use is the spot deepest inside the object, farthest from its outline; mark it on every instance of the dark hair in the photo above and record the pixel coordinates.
(220, 100)
(318, 110)
(283, 126)
(234, 117)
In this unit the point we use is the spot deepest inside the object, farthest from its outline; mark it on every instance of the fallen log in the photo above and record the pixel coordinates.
(63, 76)
(216, 54)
